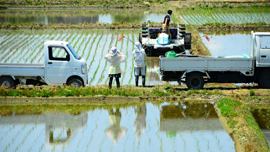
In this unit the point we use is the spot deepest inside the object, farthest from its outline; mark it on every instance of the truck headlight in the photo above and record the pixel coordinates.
(84, 69)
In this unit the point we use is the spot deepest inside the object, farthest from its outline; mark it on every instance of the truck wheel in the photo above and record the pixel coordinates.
(195, 81)
(264, 79)
(75, 81)
(7, 82)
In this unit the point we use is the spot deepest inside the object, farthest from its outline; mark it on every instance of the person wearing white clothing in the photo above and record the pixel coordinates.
(115, 57)
(139, 63)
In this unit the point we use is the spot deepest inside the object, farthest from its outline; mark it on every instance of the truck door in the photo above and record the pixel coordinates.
(264, 56)
(58, 65)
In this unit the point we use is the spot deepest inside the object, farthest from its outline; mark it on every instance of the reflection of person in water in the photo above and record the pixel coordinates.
(115, 132)
(139, 122)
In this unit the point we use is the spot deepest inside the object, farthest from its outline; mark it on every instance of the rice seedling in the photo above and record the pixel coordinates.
(7, 47)
(9, 39)
(131, 73)
(78, 39)
(91, 138)
(101, 143)
(6, 37)
(41, 148)
(102, 73)
(81, 44)
(97, 68)
(36, 49)
(91, 45)
(85, 46)
(94, 57)
(126, 53)
(35, 140)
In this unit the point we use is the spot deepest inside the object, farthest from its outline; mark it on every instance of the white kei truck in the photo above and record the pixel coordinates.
(195, 71)
(61, 66)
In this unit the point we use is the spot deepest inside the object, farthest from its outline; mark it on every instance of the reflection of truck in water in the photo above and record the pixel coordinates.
(197, 70)
(61, 66)
(157, 43)
(185, 116)
(59, 128)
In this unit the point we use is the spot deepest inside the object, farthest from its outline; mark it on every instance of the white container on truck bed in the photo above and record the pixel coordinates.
(61, 66)
(197, 70)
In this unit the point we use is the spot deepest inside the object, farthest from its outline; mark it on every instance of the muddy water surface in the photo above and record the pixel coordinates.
(165, 127)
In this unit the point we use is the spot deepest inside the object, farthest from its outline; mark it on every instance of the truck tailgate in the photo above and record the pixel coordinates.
(15, 69)
(205, 64)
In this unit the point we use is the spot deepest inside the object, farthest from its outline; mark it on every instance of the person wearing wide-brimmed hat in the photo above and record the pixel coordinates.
(115, 57)
(139, 63)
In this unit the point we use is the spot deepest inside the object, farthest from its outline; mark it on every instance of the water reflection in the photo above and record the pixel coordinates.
(228, 43)
(115, 131)
(59, 128)
(75, 16)
(173, 117)
(146, 127)
(139, 122)
(263, 120)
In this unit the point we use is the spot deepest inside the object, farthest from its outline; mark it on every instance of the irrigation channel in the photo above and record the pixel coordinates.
(178, 126)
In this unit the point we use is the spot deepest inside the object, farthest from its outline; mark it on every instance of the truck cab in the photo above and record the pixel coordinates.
(61, 66)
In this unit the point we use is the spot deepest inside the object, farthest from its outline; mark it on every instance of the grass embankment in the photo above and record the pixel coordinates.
(85, 25)
(71, 109)
(262, 26)
(246, 93)
(107, 3)
(241, 126)
(58, 91)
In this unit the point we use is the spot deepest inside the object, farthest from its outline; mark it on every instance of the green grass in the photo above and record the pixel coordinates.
(243, 124)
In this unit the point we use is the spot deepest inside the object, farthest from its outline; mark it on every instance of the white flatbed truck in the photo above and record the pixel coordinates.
(195, 71)
(61, 66)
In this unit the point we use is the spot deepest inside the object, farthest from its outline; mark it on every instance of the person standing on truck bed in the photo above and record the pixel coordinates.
(167, 20)
(139, 63)
(115, 57)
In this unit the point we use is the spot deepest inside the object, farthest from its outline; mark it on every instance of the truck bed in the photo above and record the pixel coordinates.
(204, 63)
(19, 69)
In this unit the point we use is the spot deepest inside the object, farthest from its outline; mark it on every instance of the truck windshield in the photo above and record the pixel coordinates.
(73, 52)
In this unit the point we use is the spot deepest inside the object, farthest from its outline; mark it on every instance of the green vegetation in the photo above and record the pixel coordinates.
(243, 125)
(56, 108)
(107, 3)
(225, 16)
(54, 91)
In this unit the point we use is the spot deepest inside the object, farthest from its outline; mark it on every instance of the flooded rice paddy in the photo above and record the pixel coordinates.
(165, 127)
(200, 16)
(235, 44)
(26, 46)
(75, 16)
(262, 117)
